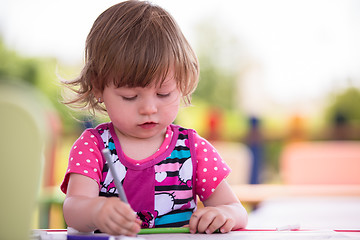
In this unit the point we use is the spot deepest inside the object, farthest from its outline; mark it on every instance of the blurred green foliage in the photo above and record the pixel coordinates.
(342, 114)
(217, 88)
(219, 72)
(346, 103)
(16, 68)
(38, 72)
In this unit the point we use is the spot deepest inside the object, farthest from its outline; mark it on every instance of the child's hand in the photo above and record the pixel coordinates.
(209, 219)
(116, 218)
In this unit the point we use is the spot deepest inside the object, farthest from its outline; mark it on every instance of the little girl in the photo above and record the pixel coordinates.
(138, 68)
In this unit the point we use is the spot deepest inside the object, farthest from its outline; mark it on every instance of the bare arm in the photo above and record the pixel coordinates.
(222, 211)
(85, 211)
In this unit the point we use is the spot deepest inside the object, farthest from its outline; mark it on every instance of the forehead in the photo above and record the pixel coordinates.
(168, 81)
(159, 79)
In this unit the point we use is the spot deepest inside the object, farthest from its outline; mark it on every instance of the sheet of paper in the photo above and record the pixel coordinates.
(236, 235)
(254, 235)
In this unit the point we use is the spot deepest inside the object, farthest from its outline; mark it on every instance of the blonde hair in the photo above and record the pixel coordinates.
(134, 44)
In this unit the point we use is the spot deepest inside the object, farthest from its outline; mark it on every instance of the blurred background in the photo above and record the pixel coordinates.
(272, 72)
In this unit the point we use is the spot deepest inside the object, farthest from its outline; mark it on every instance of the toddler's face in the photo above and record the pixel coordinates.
(142, 112)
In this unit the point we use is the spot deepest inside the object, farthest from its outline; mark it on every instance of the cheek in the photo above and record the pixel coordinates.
(172, 109)
(174, 103)
(116, 112)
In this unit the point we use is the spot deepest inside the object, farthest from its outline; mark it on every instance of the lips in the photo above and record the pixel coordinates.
(148, 125)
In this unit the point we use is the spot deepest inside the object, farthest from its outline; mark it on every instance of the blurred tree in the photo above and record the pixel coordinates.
(343, 114)
(223, 62)
(218, 54)
(14, 67)
(38, 72)
(347, 102)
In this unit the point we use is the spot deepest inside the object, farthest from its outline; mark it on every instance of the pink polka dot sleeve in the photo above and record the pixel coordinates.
(85, 158)
(211, 169)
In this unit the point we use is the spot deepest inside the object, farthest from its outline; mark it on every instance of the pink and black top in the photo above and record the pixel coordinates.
(162, 188)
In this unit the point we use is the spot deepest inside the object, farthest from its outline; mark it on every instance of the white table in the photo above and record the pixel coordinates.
(235, 235)
(308, 212)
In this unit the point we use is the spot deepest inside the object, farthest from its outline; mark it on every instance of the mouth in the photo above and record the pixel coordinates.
(148, 125)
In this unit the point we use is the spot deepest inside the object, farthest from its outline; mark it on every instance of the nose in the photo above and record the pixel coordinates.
(148, 107)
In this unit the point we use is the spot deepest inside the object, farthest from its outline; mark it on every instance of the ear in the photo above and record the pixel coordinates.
(98, 95)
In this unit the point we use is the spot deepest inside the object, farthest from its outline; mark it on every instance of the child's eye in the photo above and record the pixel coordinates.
(129, 98)
(163, 95)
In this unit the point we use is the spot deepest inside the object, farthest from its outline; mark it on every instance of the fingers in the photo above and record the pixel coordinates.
(228, 226)
(117, 218)
(124, 210)
(208, 220)
(124, 228)
(193, 222)
(124, 223)
(200, 220)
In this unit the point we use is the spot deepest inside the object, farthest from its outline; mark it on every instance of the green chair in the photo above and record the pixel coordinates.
(23, 134)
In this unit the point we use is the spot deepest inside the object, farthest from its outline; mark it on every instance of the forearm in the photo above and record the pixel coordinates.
(79, 212)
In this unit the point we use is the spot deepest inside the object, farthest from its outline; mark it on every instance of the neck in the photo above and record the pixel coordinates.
(140, 148)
